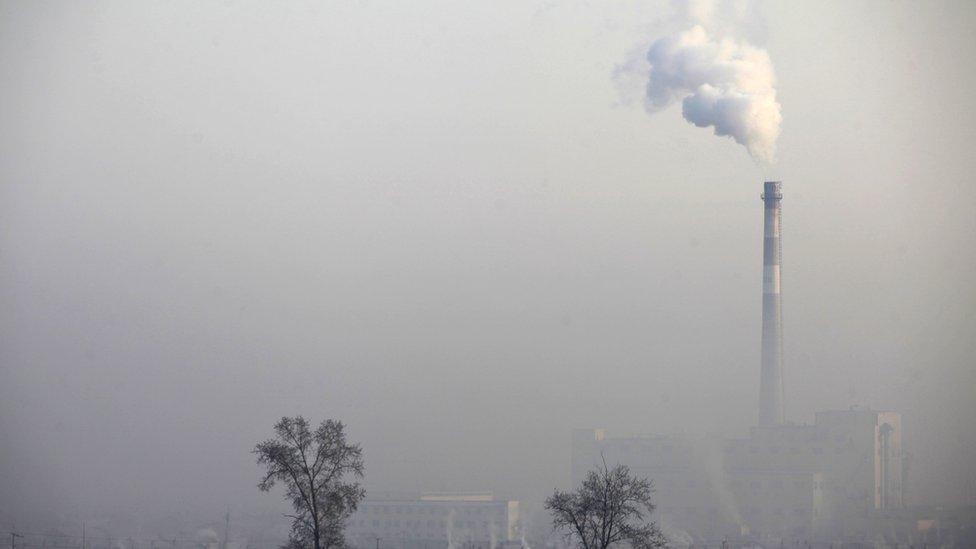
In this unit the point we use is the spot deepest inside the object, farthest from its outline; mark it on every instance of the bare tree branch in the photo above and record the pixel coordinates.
(320, 472)
(610, 507)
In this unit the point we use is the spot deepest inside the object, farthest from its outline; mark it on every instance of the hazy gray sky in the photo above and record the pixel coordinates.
(442, 223)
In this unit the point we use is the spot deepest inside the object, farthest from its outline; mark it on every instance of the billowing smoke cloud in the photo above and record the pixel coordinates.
(722, 83)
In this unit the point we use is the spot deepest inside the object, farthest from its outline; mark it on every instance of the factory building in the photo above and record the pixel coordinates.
(435, 521)
(826, 481)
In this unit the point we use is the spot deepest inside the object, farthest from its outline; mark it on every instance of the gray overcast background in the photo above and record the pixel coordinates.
(439, 222)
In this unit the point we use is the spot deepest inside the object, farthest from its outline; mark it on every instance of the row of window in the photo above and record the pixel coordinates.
(775, 484)
(774, 450)
(433, 511)
(778, 511)
(665, 484)
(815, 450)
(751, 512)
(667, 448)
(416, 524)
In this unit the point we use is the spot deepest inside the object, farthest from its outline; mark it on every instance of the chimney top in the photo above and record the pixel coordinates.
(773, 190)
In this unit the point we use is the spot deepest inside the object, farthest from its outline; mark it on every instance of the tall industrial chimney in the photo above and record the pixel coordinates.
(771, 380)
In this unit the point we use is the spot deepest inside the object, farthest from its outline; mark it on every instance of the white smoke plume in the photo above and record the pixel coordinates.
(722, 82)
(712, 456)
(449, 534)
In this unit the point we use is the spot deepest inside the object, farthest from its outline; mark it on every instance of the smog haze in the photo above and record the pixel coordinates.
(455, 227)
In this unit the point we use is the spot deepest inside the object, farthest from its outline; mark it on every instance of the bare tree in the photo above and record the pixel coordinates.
(320, 472)
(611, 507)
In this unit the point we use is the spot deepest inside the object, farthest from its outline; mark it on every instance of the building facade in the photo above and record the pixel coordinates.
(435, 521)
(824, 481)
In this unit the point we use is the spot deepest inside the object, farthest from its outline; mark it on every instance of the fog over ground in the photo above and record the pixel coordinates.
(443, 223)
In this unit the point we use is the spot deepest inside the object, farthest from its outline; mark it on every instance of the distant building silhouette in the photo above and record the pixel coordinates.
(825, 481)
(435, 521)
(828, 481)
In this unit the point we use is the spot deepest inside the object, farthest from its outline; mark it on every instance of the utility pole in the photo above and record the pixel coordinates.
(13, 539)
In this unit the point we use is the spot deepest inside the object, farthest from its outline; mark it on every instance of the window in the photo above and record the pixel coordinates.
(817, 450)
(774, 449)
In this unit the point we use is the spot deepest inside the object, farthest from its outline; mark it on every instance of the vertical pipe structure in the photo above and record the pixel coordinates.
(771, 375)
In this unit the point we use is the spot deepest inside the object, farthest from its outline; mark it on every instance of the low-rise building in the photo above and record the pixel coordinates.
(435, 521)
(823, 481)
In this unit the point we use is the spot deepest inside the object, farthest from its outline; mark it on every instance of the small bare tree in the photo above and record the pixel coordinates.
(611, 507)
(319, 470)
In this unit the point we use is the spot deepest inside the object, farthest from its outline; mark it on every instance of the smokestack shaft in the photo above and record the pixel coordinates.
(771, 380)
